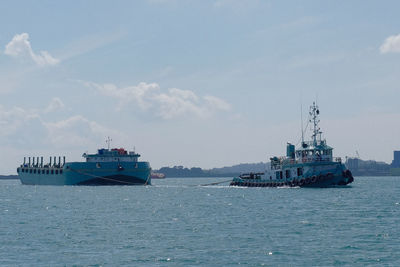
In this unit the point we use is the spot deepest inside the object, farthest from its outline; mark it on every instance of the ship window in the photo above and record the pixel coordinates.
(52, 171)
(61, 171)
(299, 171)
(287, 173)
(30, 171)
(56, 171)
(42, 171)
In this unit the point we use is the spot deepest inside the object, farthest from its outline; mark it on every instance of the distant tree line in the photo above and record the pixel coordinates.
(361, 167)
(357, 166)
(8, 177)
(180, 171)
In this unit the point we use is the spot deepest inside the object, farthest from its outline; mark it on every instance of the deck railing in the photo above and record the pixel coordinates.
(286, 161)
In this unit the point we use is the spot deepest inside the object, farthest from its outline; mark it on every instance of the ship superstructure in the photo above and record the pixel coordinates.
(107, 167)
(310, 165)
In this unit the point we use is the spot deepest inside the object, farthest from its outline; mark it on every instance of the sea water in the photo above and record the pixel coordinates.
(175, 222)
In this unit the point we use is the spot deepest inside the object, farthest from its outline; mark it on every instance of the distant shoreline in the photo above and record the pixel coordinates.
(8, 177)
(357, 166)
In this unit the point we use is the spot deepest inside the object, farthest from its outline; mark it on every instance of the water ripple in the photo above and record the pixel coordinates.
(178, 223)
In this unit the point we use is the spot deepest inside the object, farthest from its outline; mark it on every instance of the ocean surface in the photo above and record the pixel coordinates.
(175, 222)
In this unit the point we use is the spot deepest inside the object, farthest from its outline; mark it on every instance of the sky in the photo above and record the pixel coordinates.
(207, 83)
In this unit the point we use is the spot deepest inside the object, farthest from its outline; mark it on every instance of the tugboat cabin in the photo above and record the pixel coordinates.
(311, 152)
(112, 155)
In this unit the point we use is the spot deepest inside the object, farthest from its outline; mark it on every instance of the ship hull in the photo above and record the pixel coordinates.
(84, 173)
(116, 179)
(317, 176)
(334, 182)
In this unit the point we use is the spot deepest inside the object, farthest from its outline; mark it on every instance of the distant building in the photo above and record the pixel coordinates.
(361, 167)
(352, 164)
(396, 159)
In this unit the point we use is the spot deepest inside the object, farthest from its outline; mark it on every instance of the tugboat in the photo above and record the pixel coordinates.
(310, 165)
(107, 167)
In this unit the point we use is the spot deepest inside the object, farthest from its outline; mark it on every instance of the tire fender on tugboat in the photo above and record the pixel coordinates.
(314, 179)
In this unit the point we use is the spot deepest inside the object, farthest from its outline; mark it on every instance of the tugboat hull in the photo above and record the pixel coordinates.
(320, 181)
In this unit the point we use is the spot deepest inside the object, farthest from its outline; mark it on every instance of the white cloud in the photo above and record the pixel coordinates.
(137, 94)
(21, 128)
(391, 45)
(177, 102)
(11, 121)
(29, 129)
(217, 103)
(55, 104)
(76, 131)
(167, 104)
(90, 42)
(20, 46)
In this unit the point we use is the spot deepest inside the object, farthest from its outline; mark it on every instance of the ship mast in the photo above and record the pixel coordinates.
(314, 113)
(302, 129)
(108, 141)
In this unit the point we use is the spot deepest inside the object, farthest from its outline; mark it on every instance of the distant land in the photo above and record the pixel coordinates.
(8, 177)
(361, 167)
(357, 166)
(180, 171)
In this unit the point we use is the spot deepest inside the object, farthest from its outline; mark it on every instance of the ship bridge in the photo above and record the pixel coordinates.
(112, 155)
(315, 151)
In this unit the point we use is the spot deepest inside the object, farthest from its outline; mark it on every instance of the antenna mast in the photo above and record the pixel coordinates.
(108, 141)
(302, 131)
(314, 112)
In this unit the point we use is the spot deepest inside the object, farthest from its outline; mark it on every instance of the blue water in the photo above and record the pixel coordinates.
(175, 224)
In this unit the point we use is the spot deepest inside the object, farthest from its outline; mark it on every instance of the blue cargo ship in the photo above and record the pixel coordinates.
(310, 165)
(107, 167)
